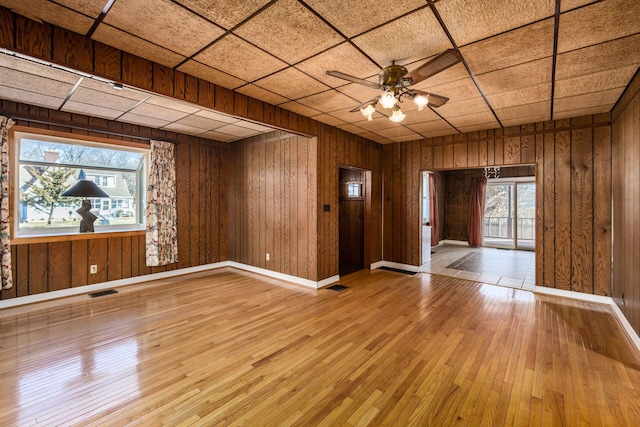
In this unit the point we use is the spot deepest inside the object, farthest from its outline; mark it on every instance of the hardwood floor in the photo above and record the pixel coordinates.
(229, 348)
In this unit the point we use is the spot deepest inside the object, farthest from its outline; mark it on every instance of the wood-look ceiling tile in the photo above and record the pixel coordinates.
(442, 132)
(328, 101)
(95, 110)
(605, 56)
(567, 5)
(516, 77)
(289, 31)
(521, 96)
(475, 128)
(214, 115)
(368, 135)
(28, 97)
(588, 100)
(406, 138)
(210, 74)
(359, 92)
(226, 13)
(255, 126)
(218, 136)
(352, 17)
(296, 107)
(541, 108)
(40, 71)
(460, 108)
(349, 117)
(595, 82)
(262, 94)
(582, 112)
(164, 23)
(56, 14)
(456, 91)
(202, 123)
(328, 119)
(525, 120)
(126, 92)
(344, 58)
(158, 112)
(597, 23)
(398, 131)
(173, 104)
(471, 20)
(408, 39)
(129, 43)
(97, 98)
(292, 84)
(472, 119)
(240, 59)
(351, 128)
(382, 140)
(137, 119)
(238, 131)
(432, 125)
(37, 84)
(182, 128)
(522, 45)
(379, 122)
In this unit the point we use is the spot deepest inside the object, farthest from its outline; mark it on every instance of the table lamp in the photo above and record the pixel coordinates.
(85, 188)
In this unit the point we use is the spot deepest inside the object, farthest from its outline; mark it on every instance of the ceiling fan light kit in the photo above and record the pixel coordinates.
(394, 82)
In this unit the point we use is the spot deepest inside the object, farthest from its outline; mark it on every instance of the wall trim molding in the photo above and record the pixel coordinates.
(455, 242)
(80, 290)
(400, 266)
(600, 299)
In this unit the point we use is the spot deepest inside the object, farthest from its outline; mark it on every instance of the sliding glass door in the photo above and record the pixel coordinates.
(509, 215)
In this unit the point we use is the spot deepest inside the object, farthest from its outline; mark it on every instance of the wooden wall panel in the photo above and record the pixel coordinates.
(626, 203)
(572, 201)
(279, 221)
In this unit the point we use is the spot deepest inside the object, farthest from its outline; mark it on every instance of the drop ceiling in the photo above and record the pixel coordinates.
(524, 61)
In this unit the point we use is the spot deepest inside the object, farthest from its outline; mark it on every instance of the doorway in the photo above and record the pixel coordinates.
(351, 220)
(510, 213)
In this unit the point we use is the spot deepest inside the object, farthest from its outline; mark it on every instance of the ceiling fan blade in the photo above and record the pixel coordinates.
(446, 59)
(372, 101)
(352, 79)
(435, 101)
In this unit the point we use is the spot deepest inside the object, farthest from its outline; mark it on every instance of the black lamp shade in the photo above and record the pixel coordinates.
(85, 188)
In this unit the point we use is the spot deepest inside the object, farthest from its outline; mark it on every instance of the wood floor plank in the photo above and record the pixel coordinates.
(227, 347)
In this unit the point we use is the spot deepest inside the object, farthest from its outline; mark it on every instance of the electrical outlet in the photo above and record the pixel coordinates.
(93, 269)
(267, 256)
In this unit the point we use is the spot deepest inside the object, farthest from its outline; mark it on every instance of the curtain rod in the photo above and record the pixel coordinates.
(107, 132)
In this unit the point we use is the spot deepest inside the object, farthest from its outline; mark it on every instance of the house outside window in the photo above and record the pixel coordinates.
(47, 166)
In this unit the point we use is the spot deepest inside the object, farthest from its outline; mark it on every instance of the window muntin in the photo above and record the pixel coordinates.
(44, 162)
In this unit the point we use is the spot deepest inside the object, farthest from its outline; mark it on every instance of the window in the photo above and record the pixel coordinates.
(353, 189)
(47, 166)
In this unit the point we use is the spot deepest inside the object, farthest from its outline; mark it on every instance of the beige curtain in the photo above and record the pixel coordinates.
(161, 236)
(476, 211)
(5, 229)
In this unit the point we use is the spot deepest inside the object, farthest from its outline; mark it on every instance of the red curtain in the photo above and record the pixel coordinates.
(433, 210)
(476, 211)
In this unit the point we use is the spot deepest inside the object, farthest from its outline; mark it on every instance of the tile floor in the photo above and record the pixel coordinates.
(515, 269)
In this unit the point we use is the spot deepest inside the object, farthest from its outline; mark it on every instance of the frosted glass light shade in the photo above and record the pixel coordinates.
(387, 100)
(397, 115)
(421, 101)
(368, 111)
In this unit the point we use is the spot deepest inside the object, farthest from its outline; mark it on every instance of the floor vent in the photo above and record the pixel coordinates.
(337, 287)
(103, 293)
(397, 270)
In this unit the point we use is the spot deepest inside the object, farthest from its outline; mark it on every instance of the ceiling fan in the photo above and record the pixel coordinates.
(394, 80)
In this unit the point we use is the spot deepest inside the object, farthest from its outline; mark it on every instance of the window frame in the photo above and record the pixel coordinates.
(17, 133)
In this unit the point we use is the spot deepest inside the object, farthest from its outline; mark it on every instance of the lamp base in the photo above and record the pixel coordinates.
(88, 218)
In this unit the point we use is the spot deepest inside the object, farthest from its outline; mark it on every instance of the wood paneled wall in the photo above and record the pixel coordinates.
(626, 203)
(351, 222)
(273, 204)
(336, 148)
(202, 184)
(573, 193)
(457, 194)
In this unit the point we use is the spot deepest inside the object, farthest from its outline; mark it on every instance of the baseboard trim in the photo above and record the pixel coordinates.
(399, 266)
(47, 296)
(622, 320)
(455, 242)
(80, 290)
